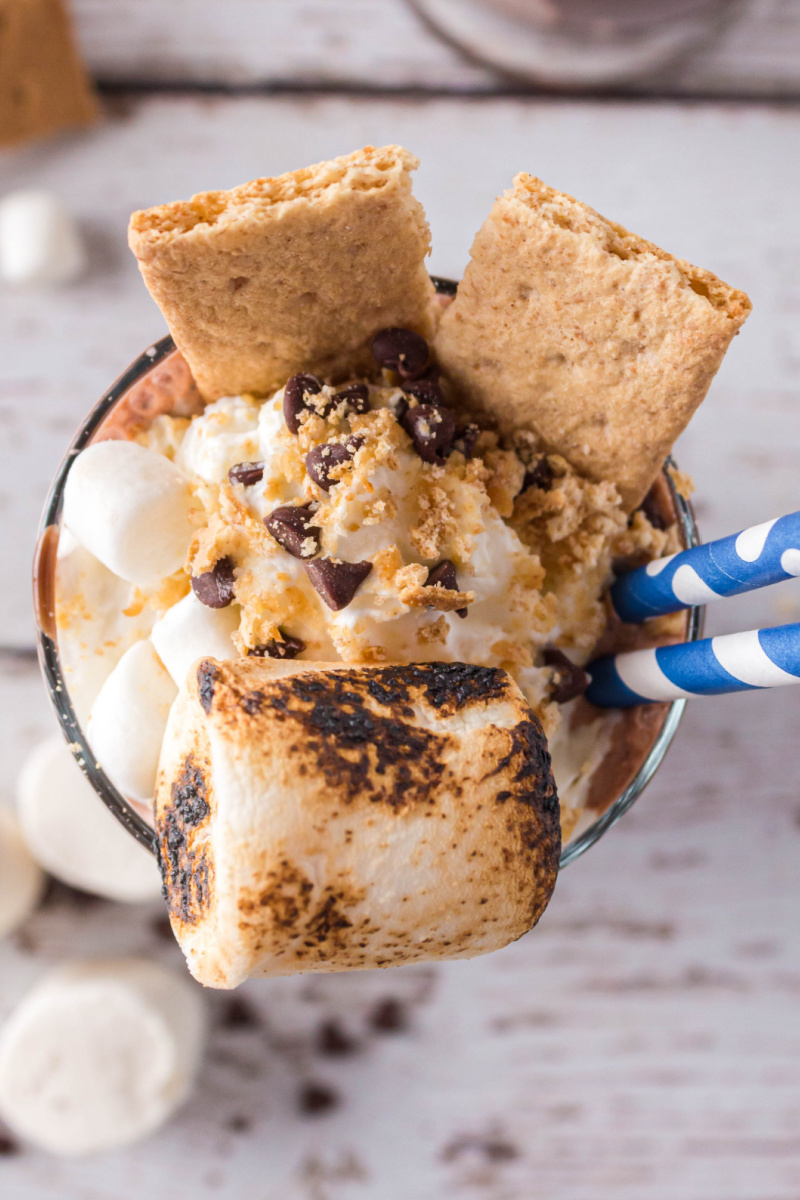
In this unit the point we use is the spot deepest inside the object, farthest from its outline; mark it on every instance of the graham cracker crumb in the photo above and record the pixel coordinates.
(436, 632)
(436, 525)
(506, 474)
(438, 597)
(410, 578)
(684, 484)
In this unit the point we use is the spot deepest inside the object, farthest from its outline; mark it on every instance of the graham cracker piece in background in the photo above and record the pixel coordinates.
(43, 85)
(295, 273)
(596, 339)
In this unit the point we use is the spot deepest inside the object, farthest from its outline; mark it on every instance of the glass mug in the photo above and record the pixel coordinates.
(579, 43)
(130, 392)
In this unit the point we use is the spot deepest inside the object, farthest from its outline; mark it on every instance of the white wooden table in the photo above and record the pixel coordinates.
(644, 1042)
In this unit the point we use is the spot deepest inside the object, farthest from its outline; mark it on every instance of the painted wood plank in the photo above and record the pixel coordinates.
(382, 43)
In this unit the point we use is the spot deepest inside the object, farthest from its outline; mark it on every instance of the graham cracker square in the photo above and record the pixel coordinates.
(602, 343)
(295, 273)
(43, 85)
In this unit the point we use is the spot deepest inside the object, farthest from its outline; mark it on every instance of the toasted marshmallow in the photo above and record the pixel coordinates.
(128, 720)
(130, 507)
(39, 241)
(20, 876)
(313, 817)
(72, 834)
(190, 630)
(99, 1054)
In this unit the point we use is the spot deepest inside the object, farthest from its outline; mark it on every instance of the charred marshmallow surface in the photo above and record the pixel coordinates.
(367, 523)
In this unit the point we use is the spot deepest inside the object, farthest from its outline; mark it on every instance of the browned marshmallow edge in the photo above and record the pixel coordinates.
(599, 341)
(293, 273)
(382, 815)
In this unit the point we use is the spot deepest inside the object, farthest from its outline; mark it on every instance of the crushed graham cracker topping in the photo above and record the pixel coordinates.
(530, 542)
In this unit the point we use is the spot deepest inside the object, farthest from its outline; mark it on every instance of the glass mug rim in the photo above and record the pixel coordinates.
(50, 660)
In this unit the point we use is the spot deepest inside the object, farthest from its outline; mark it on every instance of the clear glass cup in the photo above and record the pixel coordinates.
(579, 43)
(130, 395)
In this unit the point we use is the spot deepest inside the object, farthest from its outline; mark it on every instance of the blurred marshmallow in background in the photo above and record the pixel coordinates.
(72, 834)
(21, 879)
(100, 1054)
(40, 245)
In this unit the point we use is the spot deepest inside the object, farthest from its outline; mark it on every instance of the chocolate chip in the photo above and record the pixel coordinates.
(444, 575)
(294, 398)
(431, 429)
(570, 680)
(9, 1147)
(402, 350)
(652, 510)
(315, 1098)
(466, 438)
(59, 895)
(289, 647)
(540, 475)
(427, 391)
(495, 1148)
(215, 588)
(337, 582)
(238, 1014)
(322, 459)
(333, 1041)
(239, 1123)
(400, 409)
(247, 473)
(161, 927)
(291, 527)
(355, 396)
(389, 1016)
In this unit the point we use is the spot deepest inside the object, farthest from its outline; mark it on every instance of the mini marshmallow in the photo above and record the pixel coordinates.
(128, 720)
(130, 507)
(72, 834)
(39, 241)
(20, 877)
(93, 629)
(99, 1054)
(190, 630)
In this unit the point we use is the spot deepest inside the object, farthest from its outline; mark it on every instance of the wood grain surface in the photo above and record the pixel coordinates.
(643, 1043)
(381, 44)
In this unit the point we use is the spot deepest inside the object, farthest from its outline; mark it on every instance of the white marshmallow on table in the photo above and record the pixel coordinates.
(72, 834)
(128, 720)
(21, 878)
(130, 507)
(39, 241)
(99, 1054)
(191, 630)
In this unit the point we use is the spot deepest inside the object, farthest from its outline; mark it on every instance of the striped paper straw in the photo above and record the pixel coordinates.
(754, 558)
(734, 662)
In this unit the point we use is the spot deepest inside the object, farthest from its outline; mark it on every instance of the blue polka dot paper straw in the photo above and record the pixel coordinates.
(754, 558)
(734, 662)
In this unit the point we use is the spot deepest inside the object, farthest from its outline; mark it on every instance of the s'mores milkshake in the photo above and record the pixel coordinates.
(325, 596)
